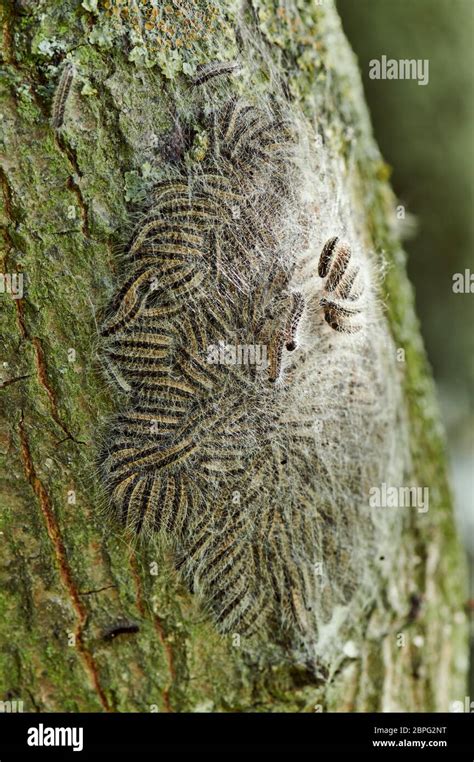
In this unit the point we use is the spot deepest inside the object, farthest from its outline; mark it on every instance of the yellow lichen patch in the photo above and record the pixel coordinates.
(182, 27)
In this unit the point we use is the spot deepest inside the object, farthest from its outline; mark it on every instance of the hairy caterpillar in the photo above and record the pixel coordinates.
(226, 254)
(205, 72)
(61, 95)
(342, 299)
(296, 313)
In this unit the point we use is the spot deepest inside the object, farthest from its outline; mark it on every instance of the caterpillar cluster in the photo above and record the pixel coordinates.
(343, 292)
(235, 463)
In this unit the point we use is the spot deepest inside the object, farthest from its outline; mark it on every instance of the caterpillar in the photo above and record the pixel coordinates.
(205, 72)
(220, 257)
(61, 95)
(342, 298)
(296, 313)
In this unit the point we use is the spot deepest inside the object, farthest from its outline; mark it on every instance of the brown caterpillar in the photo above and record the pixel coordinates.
(208, 71)
(61, 95)
(342, 294)
(218, 260)
(297, 308)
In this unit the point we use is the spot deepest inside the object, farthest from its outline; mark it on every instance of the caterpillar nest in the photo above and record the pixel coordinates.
(253, 362)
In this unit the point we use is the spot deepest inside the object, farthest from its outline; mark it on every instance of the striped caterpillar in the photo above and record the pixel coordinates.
(342, 299)
(219, 259)
(61, 95)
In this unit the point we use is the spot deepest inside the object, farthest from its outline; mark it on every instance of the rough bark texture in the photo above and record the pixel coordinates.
(67, 578)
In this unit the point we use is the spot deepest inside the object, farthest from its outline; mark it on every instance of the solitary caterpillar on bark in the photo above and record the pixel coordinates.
(229, 253)
(61, 95)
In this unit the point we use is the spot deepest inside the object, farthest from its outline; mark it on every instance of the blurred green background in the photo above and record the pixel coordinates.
(426, 133)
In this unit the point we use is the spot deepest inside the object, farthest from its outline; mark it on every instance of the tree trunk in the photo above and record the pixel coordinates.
(87, 622)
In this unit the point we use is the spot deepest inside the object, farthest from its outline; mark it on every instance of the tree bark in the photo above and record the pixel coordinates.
(87, 622)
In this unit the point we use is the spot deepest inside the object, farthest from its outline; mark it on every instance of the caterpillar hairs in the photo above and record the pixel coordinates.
(232, 252)
(342, 299)
(61, 95)
(205, 72)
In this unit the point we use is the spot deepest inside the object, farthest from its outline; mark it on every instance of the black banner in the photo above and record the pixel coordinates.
(91, 736)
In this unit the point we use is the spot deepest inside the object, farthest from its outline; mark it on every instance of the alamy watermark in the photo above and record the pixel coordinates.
(463, 283)
(462, 706)
(42, 735)
(12, 283)
(405, 68)
(12, 705)
(400, 497)
(237, 354)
